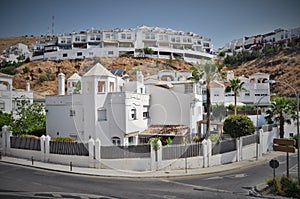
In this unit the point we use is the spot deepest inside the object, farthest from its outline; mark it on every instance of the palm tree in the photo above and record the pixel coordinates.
(282, 111)
(234, 86)
(209, 71)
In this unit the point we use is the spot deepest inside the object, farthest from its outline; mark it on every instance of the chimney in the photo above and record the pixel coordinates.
(28, 87)
(61, 84)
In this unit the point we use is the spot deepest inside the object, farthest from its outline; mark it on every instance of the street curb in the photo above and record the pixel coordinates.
(155, 174)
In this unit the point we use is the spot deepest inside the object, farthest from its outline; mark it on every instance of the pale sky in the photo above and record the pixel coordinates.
(220, 20)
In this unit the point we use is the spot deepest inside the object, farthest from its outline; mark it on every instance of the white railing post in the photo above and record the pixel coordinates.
(209, 151)
(42, 140)
(47, 148)
(6, 134)
(98, 153)
(205, 153)
(91, 153)
(237, 149)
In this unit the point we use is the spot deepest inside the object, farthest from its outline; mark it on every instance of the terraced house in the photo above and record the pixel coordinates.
(164, 42)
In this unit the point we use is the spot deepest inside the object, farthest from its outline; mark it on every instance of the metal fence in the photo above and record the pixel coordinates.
(69, 148)
(224, 147)
(25, 143)
(117, 152)
(250, 139)
(181, 151)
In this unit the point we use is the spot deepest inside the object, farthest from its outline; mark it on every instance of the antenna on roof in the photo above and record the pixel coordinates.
(52, 26)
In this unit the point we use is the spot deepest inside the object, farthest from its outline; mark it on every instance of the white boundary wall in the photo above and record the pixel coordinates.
(142, 164)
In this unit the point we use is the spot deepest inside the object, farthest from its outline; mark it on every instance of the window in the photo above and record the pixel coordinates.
(72, 113)
(77, 38)
(116, 141)
(161, 37)
(130, 140)
(107, 36)
(145, 112)
(102, 114)
(111, 87)
(133, 114)
(65, 55)
(177, 39)
(206, 44)
(123, 36)
(101, 87)
(128, 36)
(2, 105)
(79, 54)
(147, 36)
(247, 94)
(153, 36)
(110, 52)
(188, 88)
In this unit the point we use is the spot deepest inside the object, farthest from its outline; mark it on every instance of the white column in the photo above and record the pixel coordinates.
(42, 140)
(61, 84)
(47, 148)
(238, 150)
(91, 153)
(209, 151)
(98, 153)
(205, 153)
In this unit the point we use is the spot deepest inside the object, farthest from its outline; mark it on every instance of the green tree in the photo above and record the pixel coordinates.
(282, 110)
(30, 118)
(209, 71)
(238, 125)
(234, 86)
(5, 119)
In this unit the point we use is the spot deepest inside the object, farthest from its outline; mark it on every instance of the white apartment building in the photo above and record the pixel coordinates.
(255, 90)
(9, 96)
(164, 42)
(258, 41)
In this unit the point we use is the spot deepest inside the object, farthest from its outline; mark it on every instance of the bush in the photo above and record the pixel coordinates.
(238, 125)
(284, 186)
(63, 139)
(43, 77)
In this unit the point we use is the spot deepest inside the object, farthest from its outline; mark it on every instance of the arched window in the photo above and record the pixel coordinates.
(116, 141)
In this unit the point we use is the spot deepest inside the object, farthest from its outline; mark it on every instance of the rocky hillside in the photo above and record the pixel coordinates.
(42, 75)
(284, 67)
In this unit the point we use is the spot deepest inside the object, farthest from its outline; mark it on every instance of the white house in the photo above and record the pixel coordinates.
(124, 112)
(9, 96)
(175, 101)
(103, 109)
(256, 89)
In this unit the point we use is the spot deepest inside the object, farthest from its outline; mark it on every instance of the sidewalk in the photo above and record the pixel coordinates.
(141, 174)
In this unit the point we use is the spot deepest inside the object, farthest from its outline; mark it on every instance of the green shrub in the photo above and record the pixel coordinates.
(63, 139)
(284, 186)
(43, 77)
(238, 125)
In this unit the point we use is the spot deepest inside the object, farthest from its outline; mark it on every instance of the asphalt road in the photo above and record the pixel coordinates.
(25, 182)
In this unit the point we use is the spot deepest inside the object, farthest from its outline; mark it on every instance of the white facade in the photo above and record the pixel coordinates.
(255, 89)
(165, 43)
(175, 100)
(10, 96)
(258, 41)
(12, 53)
(102, 111)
